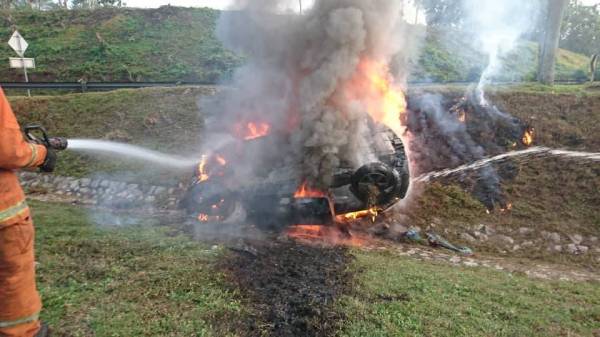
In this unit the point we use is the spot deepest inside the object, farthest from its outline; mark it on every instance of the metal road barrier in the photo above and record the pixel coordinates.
(95, 86)
(104, 86)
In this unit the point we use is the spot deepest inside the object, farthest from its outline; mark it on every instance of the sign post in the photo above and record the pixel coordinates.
(19, 45)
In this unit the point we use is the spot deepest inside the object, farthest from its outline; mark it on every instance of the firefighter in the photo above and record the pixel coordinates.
(20, 302)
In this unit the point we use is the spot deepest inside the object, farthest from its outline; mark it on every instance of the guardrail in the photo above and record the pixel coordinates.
(92, 86)
(103, 86)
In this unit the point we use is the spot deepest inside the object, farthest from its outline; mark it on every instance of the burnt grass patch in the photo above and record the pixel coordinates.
(290, 288)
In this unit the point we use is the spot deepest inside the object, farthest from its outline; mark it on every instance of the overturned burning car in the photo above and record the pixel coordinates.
(269, 196)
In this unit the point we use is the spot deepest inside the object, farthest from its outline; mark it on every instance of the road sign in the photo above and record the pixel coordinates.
(18, 43)
(17, 62)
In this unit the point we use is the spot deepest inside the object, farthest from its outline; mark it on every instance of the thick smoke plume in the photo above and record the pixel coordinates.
(298, 74)
(447, 133)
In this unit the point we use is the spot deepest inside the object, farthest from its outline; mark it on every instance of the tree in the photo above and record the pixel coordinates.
(549, 40)
(442, 12)
(580, 30)
(30, 4)
(593, 65)
(96, 3)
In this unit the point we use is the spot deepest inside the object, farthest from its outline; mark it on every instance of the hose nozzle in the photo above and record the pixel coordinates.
(36, 133)
(58, 143)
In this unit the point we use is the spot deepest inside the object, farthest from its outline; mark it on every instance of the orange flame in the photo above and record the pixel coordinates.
(220, 160)
(202, 171)
(304, 191)
(255, 130)
(508, 207)
(372, 212)
(528, 136)
(206, 166)
(305, 231)
(385, 101)
(462, 116)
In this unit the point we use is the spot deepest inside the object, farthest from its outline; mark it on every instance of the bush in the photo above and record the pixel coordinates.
(580, 76)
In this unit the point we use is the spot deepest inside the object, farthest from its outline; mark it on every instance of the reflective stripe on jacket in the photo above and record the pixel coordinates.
(8, 324)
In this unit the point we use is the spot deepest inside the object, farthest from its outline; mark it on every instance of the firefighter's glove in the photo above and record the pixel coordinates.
(50, 162)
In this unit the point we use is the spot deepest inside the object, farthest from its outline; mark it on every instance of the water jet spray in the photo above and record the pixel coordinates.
(36, 133)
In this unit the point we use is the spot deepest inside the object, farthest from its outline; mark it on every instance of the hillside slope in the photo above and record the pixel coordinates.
(553, 199)
(166, 44)
(548, 194)
(167, 120)
(179, 44)
(448, 57)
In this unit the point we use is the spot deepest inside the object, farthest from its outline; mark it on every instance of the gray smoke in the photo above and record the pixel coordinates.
(497, 27)
(295, 73)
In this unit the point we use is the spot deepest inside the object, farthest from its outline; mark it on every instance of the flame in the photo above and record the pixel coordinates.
(462, 116)
(202, 172)
(213, 214)
(373, 85)
(528, 136)
(305, 231)
(372, 212)
(254, 130)
(508, 207)
(206, 167)
(220, 160)
(304, 191)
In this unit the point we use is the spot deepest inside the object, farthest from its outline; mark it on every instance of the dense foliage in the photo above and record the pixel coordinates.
(581, 29)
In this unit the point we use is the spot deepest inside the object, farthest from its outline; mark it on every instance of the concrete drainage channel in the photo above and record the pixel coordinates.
(103, 192)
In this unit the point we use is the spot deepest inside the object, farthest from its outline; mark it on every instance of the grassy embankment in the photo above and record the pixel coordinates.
(142, 280)
(448, 57)
(398, 296)
(551, 194)
(179, 44)
(146, 280)
(548, 194)
(166, 44)
(167, 120)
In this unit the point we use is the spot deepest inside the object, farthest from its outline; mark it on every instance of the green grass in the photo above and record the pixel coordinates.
(180, 44)
(167, 120)
(398, 296)
(166, 44)
(139, 280)
(448, 57)
(548, 194)
(521, 88)
(146, 280)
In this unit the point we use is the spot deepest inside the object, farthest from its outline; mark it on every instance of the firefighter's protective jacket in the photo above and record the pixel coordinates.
(19, 300)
